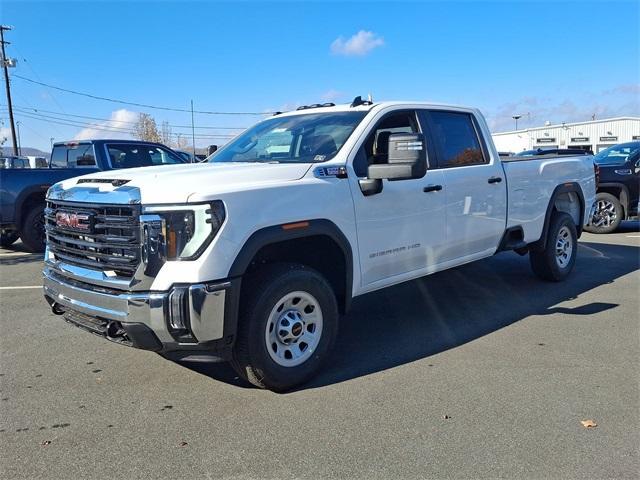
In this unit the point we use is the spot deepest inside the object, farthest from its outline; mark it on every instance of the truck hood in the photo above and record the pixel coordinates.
(176, 183)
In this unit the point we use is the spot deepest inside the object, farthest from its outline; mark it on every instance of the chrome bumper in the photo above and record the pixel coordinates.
(183, 317)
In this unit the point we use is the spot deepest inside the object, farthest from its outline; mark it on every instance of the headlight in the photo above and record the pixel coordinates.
(188, 229)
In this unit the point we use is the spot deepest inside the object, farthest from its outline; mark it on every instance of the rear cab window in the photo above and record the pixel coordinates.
(456, 138)
(73, 155)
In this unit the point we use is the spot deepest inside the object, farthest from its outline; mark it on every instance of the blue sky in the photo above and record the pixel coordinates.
(556, 61)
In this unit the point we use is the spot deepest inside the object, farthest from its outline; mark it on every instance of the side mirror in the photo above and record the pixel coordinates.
(407, 158)
(212, 149)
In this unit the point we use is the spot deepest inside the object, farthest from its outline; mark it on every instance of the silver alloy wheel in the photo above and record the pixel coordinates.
(294, 329)
(604, 215)
(564, 247)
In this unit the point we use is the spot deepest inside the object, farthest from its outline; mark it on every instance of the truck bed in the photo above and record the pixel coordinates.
(531, 182)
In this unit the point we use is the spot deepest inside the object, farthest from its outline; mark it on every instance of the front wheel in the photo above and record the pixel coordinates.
(8, 238)
(32, 234)
(287, 325)
(555, 260)
(607, 214)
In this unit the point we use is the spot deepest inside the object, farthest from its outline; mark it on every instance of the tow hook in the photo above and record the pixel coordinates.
(115, 330)
(57, 309)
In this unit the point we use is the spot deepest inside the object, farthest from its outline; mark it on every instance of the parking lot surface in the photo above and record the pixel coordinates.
(482, 371)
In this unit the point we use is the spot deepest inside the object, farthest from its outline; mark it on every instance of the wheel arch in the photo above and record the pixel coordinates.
(316, 243)
(30, 196)
(567, 198)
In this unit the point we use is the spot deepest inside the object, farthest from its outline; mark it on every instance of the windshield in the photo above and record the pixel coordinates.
(616, 155)
(293, 139)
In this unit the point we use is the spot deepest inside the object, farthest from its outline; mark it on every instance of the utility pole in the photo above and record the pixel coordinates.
(193, 132)
(5, 65)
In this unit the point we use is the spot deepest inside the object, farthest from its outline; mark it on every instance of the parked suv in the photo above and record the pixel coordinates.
(618, 186)
(14, 162)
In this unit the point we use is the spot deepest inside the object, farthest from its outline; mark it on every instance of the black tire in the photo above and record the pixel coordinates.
(32, 234)
(607, 215)
(261, 294)
(8, 238)
(547, 263)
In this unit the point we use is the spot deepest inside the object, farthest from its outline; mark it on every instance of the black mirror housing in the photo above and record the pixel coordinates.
(407, 158)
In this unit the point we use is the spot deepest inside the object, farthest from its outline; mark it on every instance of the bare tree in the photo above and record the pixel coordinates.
(165, 133)
(146, 128)
(180, 142)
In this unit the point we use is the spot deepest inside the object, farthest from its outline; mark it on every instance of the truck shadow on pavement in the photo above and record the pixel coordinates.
(21, 259)
(424, 317)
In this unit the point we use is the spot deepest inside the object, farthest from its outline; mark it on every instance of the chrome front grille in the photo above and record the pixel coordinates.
(101, 237)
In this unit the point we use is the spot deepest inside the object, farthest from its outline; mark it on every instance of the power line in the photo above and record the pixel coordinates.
(28, 64)
(38, 110)
(93, 125)
(106, 128)
(141, 105)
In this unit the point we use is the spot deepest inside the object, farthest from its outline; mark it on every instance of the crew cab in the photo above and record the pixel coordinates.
(22, 192)
(253, 256)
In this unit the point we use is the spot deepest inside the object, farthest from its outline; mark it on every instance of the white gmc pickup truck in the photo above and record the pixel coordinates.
(253, 257)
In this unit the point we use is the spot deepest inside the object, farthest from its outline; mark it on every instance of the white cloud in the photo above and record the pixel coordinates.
(621, 101)
(331, 95)
(113, 128)
(359, 44)
(5, 134)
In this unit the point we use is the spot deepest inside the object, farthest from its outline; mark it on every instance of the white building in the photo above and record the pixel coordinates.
(594, 135)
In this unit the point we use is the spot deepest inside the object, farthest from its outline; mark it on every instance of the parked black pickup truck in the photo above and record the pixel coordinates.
(618, 193)
(22, 191)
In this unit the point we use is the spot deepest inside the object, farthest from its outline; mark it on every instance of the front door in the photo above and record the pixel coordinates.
(401, 229)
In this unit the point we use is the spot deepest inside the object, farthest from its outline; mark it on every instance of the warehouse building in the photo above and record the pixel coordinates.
(592, 136)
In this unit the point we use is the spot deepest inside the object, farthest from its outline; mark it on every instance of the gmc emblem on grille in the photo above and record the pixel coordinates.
(75, 221)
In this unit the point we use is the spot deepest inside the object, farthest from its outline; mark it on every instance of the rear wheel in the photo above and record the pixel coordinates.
(8, 238)
(555, 261)
(286, 327)
(607, 214)
(32, 233)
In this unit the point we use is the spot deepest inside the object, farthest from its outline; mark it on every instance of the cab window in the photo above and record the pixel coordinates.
(131, 155)
(375, 147)
(456, 139)
(73, 155)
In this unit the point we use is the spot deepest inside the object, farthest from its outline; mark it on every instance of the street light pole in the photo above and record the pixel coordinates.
(5, 64)
(193, 133)
(51, 140)
(516, 118)
(19, 142)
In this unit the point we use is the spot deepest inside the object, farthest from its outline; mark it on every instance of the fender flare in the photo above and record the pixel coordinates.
(624, 194)
(568, 187)
(282, 232)
(19, 212)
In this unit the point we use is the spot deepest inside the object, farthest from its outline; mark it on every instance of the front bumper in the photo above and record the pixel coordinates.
(198, 318)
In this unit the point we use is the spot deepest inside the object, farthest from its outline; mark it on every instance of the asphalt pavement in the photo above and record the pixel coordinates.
(482, 371)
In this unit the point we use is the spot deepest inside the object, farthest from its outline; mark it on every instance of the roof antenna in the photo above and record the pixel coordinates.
(369, 98)
(359, 101)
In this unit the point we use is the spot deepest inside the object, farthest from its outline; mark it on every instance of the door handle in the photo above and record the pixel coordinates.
(432, 188)
(495, 180)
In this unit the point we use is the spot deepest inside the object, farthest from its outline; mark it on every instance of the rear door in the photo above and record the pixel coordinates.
(475, 193)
